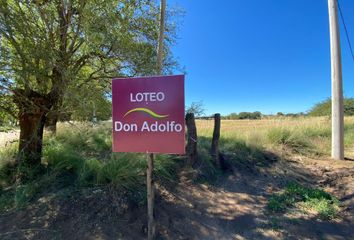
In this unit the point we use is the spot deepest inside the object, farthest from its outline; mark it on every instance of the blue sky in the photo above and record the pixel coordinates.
(256, 55)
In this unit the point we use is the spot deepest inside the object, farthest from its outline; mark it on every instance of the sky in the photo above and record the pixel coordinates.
(256, 55)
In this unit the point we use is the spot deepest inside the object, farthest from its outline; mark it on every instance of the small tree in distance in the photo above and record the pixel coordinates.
(197, 108)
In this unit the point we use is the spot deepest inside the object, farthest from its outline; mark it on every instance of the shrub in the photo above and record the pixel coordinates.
(324, 108)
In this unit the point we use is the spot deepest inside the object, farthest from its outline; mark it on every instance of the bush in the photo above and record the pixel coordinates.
(244, 115)
(324, 108)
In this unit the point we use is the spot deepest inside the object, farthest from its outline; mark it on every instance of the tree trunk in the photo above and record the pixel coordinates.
(31, 136)
(191, 148)
(33, 108)
(215, 141)
(51, 123)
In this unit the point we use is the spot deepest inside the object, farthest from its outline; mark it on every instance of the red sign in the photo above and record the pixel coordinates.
(148, 114)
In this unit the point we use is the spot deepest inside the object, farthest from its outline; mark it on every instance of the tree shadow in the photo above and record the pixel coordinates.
(235, 203)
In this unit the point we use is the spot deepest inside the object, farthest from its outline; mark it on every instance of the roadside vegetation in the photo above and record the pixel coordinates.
(79, 156)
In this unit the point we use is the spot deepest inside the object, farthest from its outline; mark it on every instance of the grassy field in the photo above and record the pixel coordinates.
(305, 135)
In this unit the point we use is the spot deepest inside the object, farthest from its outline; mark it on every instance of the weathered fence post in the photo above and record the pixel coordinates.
(215, 141)
(191, 148)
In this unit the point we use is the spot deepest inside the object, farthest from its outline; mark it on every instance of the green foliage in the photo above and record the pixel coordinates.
(326, 209)
(84, 41)
(244, 115)
(315, 199)
(81, 43)
(324, 108)
(8, 111)
(85, 104)
(247, 115)
(60, 56)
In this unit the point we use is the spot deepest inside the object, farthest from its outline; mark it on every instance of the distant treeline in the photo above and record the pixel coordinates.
(323, 108)
(259, 115)
(243, 115)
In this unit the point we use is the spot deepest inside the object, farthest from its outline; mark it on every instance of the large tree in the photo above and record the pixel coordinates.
(48, 47)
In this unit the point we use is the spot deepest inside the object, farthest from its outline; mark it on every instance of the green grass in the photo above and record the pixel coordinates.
(305, 198)
(78, 156)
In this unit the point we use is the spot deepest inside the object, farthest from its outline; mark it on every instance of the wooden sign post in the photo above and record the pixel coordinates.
(150, 167)
(148, 117)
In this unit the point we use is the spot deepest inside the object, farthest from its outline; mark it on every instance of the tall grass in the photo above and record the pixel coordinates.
(87, 153)
(303, 135)
(78, 156)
